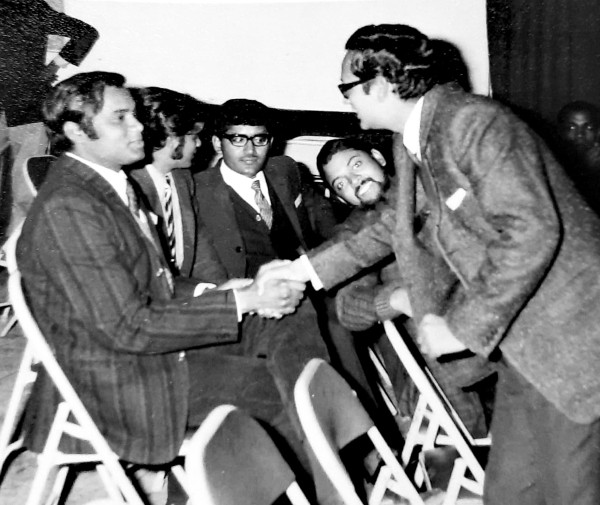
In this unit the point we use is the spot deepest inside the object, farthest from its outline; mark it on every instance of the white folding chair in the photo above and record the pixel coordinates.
(435, 423)
(35, 169)
(8, 317)
(231, 460)
(71, 419)
(332, 416)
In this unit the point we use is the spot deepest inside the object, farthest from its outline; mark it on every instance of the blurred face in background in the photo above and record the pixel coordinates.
(579, 130)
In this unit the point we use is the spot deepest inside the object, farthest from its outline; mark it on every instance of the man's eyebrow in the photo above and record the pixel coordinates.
(351, 159)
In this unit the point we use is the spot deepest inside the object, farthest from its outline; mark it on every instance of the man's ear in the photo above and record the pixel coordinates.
(216, 142)
(381, 87)
(378, 157)
(73, 132)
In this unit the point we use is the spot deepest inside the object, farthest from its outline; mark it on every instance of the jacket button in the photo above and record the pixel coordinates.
(258, 218)
(181, 356)
(238, 249)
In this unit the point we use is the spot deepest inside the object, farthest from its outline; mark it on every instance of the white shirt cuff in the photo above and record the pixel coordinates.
(202, 287)
(312, 274)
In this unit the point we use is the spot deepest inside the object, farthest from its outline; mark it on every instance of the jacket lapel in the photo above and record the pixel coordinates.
(281, 187)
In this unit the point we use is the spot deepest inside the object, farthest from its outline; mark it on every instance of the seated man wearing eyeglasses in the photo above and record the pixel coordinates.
(256, 208)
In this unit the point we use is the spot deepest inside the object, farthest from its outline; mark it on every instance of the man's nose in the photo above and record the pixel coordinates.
(249, 147)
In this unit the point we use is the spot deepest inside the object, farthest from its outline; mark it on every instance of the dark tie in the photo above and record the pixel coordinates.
(264, 208)
(169, 219)
(133, 202)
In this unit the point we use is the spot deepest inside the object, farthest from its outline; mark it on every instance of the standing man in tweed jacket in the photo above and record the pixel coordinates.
(522, 242)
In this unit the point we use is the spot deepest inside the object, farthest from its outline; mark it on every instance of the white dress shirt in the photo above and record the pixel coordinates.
(242, 185)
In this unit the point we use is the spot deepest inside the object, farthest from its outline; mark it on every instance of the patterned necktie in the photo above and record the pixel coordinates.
(264, 208)
(169, 218)
(133, 201)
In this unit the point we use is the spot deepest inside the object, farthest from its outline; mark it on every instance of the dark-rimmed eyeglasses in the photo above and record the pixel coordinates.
(239, 140)
(347, 86)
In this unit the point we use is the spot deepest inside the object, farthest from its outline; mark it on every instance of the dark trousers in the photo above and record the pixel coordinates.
(258, 374)
(538, 455)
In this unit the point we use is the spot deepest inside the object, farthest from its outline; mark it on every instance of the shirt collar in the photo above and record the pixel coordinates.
(118, 180)
(412, 128)
(237, 181)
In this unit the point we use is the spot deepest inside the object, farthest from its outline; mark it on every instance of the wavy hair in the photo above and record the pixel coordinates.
(400, 53)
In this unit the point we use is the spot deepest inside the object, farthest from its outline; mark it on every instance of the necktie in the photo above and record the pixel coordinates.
(169, 219)
(133, 202)
(264, 208)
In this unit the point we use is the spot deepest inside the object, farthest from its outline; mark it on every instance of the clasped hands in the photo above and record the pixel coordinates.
(274, 292)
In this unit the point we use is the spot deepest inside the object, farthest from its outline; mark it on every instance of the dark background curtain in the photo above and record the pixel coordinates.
(544, 54)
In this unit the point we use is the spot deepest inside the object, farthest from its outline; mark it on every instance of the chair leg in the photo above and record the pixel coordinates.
(109, 484)
(179, 473)
(14, 411)
(48, 459)
(9, 323)
(59, 485)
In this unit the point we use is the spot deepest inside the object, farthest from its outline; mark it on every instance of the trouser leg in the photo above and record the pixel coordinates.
(538, 455)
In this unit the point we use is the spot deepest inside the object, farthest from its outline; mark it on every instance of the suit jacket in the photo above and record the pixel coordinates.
(200, 259)
(24, 29)
(520, 239)
(98, 290)
(217, 213)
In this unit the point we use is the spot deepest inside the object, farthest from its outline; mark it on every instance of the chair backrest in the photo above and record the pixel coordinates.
(232, 460)
(42, 352)
(304, 149)
(35, 169)
(332, 416)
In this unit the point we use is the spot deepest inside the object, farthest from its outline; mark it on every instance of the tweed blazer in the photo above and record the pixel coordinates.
(24, 29)
(217, 213)
(98, 290)
(200, 259)
(513, 229)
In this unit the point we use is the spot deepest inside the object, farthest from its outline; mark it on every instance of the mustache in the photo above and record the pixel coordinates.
(363, 182)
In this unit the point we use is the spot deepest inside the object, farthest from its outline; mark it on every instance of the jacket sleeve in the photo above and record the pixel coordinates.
(352, 250)
(82, 36)
(366, 301)
(101, 273)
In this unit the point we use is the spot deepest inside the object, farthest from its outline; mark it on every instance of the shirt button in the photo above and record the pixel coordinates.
(181, 356)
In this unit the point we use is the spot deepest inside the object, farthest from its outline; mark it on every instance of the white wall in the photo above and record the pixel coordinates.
(284, 53)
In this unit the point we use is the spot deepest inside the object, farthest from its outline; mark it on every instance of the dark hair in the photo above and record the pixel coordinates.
(165, 113)
(78, 99)
(451, 66)
(579, 106)
(334, 146)
(400, 53)
(241, 111)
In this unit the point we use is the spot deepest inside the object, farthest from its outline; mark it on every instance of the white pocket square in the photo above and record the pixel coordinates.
(298, 200)
(456, 199)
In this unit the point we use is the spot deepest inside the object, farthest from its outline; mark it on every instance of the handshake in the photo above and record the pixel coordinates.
(276, 290)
